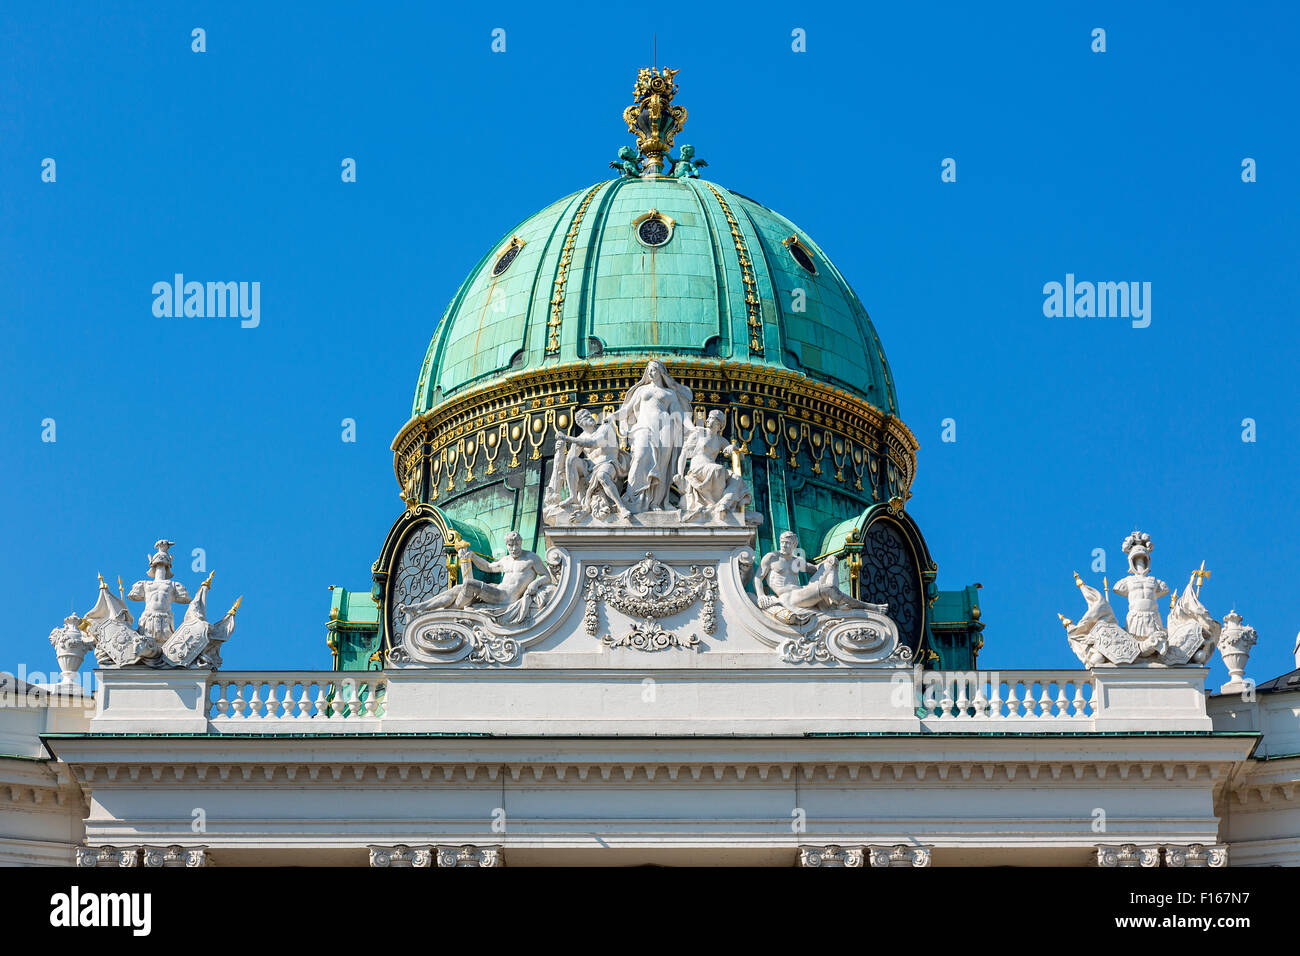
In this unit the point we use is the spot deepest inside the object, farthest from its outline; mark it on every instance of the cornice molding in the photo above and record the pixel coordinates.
(396, 774)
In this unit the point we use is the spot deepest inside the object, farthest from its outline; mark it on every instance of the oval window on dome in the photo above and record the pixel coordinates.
(653, 229)
(507, 257)
(801, 254)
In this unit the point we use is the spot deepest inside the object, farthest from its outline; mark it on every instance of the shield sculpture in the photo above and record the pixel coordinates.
(1116, 644)
(187, 643)
(121, 645)
(1185, 640)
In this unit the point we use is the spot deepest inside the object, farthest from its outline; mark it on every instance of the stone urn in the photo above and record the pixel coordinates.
(70, 647)
(1235, 643)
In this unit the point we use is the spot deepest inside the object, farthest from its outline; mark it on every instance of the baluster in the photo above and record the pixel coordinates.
(1082, 705)
(1062, 702)
(372, 699)
(995, 699)
(255, 701)
(963, 702)
(1045, 699)
(929, 698)
(304, 701)
(1076, 702)
(1013, 699)
(1030, 702)
(945, 702)
(239, 704)
(981, 703)
(222, 704)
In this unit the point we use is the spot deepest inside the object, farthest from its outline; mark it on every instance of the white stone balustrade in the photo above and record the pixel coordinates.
(801, 700)
(1037, 696)
(294, 697)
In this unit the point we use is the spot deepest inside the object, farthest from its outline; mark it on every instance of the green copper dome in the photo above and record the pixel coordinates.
(739, 306)
(584, 280)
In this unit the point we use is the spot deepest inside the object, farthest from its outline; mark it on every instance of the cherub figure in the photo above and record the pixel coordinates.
(686, 166)
(629, 164)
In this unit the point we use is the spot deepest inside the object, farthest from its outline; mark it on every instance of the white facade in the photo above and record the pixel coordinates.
(571, 746)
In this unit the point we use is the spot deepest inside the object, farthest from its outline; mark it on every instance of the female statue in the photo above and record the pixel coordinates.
(654, 416)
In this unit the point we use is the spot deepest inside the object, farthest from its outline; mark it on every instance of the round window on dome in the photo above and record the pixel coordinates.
(653, 229)
(653, 232)
(507, 257)
(800, 254)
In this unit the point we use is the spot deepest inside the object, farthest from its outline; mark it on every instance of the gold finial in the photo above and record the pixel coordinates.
(1106, 584)
(120, 591)
(102, 585)
(1173, 600)
(1065, 621)
(234, 608)
(1200, 574)
(653, 118)
(1078, 581)
(207, 582)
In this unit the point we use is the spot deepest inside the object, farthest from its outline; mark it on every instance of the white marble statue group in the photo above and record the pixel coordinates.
(632, 462)
(780, 592)
(474, 619)
(118, 640)
(1189, 637)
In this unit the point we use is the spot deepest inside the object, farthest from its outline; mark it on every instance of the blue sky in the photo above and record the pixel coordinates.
(1115, 166)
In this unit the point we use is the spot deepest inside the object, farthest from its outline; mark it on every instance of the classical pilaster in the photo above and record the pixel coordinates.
(114, 856)
(832, 855)
(402, 855)
(1197, 854)
(1128, 855)
(175, 855)
(471, 855)
(899, 854)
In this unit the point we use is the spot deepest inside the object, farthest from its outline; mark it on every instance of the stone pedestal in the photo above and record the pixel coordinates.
(148, 700)
(1149, 697)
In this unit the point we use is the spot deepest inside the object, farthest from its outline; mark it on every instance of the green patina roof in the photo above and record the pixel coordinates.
(686, 297)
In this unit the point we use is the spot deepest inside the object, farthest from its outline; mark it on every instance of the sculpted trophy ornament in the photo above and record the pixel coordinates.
(476, 620)
(1098, 638)
(111, 629)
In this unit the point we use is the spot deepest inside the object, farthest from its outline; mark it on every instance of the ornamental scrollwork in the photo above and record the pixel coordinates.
(651, 589)
(650, 636)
